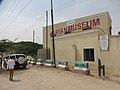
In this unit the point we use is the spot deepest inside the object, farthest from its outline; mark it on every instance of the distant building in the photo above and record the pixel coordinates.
(86, 39)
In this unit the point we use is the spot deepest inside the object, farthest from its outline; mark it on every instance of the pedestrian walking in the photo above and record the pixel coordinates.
(10, 67)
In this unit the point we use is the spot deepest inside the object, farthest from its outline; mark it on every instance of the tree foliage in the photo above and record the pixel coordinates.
(27, 48)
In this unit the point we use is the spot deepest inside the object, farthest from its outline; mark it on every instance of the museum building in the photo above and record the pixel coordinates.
(85, 39)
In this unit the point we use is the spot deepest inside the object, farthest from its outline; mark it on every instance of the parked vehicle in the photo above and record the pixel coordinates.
(20, 60)
(29, 59)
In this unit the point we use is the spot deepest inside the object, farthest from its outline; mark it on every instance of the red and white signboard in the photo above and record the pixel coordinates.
(72, 26)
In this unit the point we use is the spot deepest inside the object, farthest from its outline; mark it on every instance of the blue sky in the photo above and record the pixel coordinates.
(33, 16)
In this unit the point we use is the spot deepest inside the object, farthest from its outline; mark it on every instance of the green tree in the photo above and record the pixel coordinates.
(20, 47)
(27, 47)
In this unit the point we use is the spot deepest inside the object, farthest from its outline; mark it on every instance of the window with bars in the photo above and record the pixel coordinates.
(89, 54)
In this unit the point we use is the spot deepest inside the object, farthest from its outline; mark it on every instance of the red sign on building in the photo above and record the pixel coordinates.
(82, 25)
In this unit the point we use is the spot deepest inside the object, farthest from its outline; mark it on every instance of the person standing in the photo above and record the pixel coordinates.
(10, 67)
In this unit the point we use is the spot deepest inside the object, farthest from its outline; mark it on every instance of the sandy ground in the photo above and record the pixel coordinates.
(42, 78)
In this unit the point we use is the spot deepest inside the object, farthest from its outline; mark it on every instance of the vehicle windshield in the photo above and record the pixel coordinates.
(12, 56)
(17, 56)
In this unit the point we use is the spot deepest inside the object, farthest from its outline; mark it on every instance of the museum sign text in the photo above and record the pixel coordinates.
(82, 25)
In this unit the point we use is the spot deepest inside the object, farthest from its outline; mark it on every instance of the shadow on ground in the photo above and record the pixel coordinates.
(16, 80)
(21, 68)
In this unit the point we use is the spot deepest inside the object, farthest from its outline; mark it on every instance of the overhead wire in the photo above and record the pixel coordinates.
(8, 13)
(65, 4)
(70, 3)
(5, 19)
(20, 13)
(33, 24)
(28, 28)
(15, 17)
(56, 10)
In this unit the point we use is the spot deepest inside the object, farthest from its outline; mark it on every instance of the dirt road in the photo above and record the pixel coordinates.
(42, 78)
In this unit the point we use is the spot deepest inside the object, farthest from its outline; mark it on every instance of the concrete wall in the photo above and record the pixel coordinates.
(70, 47)
(111, 58)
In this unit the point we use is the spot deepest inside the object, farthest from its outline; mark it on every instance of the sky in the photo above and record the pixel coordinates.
(18, 18)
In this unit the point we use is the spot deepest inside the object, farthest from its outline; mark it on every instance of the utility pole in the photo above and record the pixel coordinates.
(33, 42)
(46, 34)
(53, 42)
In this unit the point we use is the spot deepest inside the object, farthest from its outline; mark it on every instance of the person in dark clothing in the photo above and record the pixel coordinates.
(1, 63)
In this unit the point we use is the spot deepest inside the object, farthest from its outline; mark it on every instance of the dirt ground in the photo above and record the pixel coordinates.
(43, 78)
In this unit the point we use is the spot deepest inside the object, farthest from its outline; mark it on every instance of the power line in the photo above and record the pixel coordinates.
(69, 4)
(24, 32)
(23, 9)
(5, 19)
(65, 4)
(8, 12)
(28, 28)
(56, 10)
(15, 17)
